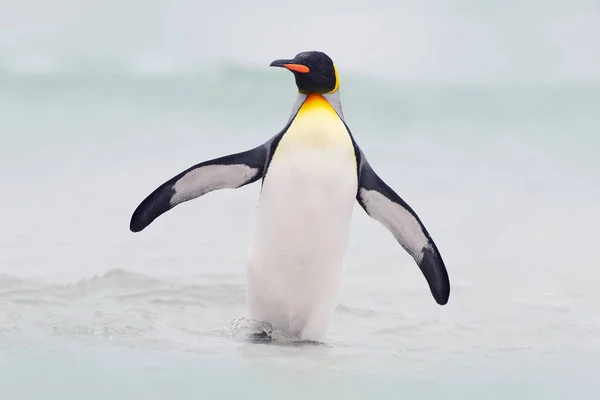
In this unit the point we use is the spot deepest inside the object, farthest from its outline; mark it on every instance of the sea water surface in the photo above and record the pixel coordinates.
(485, 119)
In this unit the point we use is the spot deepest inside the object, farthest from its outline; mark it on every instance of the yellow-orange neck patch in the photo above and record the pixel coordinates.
(315, 102)
(317, 126)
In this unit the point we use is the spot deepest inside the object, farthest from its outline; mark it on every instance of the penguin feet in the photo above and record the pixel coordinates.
(262, 337)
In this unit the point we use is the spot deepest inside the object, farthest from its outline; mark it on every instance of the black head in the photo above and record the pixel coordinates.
(314, 72)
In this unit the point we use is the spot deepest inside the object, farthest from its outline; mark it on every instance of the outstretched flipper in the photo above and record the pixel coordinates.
(384, 205)
(228, 172)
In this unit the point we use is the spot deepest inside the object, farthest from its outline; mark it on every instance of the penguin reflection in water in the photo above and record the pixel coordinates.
(312, 172)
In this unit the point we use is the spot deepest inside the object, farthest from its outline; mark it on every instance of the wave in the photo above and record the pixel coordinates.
(123, 286)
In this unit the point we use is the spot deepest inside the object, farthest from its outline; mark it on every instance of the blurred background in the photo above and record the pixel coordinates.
(484, 117)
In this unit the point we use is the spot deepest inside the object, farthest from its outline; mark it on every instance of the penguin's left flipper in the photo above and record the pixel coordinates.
(228, 172)
(384, 205)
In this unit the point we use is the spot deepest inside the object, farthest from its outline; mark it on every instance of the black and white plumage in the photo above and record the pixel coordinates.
(229, 172)
(384, 205)
(312, 172)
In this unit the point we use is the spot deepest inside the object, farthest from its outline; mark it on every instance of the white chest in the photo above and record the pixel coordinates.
(312, 179)
(302, 226)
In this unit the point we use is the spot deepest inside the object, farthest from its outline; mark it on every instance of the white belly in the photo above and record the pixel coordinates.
(296, 256)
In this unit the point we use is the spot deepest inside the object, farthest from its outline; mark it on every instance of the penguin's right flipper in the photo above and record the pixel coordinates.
(228, 172)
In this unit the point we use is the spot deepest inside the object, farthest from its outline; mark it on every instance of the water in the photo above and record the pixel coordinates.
(486, 126)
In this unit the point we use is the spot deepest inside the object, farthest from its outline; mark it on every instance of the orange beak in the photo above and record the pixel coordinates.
(297, 68)
(291, 65)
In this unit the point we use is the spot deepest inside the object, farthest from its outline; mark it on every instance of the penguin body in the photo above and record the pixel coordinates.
(302, 224)
(312, 173)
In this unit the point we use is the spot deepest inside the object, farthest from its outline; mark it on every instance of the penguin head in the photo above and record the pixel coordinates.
(314, 72)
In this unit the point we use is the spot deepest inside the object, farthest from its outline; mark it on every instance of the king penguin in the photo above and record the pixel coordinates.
(312, 172)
